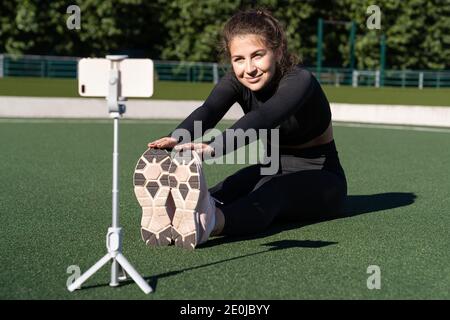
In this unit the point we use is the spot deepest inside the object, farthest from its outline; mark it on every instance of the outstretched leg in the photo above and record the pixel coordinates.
(298, 196)
(237, 185)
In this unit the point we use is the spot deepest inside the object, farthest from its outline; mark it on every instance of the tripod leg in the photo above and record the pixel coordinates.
(122, 274)
(117, 274)
(77, 283)
(114, 274)
(133, 274)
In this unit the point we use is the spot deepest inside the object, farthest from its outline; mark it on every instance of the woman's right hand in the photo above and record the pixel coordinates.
(163, 143)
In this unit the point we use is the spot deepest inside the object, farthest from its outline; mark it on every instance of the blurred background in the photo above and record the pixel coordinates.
(411, 47)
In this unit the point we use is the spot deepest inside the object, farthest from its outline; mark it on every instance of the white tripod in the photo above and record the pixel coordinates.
(114, 236)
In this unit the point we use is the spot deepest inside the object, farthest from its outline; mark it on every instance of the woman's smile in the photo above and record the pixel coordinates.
(254, 80)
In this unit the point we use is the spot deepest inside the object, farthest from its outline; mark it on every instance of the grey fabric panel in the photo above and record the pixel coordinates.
(294, 164)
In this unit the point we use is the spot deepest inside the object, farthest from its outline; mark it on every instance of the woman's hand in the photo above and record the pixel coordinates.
(163, 143)
(203, 150)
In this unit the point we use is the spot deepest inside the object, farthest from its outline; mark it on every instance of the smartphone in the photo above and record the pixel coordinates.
(136, 77)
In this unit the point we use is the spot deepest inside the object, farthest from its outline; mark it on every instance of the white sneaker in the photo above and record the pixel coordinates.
(194, 217)
(151, 187)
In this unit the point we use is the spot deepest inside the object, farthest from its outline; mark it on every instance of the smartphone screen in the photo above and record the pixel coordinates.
(136, 77)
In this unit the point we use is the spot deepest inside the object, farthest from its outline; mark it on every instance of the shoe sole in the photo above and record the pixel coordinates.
(185, 189)
(151, 187)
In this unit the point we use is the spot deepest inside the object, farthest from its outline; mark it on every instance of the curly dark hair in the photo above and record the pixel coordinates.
(259, 22)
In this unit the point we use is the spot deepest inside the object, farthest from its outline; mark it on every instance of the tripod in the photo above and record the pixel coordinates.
(114, 236)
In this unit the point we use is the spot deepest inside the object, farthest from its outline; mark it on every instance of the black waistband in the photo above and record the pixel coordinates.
(328, 149)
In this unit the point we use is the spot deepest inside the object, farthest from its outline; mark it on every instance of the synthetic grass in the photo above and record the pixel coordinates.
(167, 90)
(55, 211)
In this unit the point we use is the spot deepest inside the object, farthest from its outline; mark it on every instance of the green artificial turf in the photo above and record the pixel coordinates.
(56, 200)
(168, 90)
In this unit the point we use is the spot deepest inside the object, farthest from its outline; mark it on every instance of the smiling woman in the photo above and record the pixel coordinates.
(253, 64)
(257, 38)
(275, 93)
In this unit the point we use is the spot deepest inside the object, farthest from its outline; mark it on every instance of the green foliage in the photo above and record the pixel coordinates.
(417, 31)
(107, 26)
(194, 27)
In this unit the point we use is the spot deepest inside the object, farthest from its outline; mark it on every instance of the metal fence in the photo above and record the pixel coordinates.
(38, 66)
(66, 67)
(391, 78)
(189, 71)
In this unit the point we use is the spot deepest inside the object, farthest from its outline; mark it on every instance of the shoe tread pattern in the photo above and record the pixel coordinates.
(151, 187)
(185, 189)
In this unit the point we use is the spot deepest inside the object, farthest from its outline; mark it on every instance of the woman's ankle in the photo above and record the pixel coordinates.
(220, 223)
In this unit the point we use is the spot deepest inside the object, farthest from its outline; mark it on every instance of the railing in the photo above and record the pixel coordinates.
(66, 67)
(392, 78)
(421, 79)
(189, 71)
(334, 76)
(39, 66)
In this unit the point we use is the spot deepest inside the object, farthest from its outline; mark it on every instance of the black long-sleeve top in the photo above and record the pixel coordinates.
(295, 103)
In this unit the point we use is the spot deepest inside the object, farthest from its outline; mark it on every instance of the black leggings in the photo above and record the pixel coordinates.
(310, 185)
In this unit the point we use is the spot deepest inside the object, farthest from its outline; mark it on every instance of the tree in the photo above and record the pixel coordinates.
(108, 26)
(417, 31)
(193, 27)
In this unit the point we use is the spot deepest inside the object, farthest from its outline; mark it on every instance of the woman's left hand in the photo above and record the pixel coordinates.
(201, 148)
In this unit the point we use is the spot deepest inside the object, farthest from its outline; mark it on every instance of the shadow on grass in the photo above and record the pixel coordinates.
(273, 246)
(355, 205)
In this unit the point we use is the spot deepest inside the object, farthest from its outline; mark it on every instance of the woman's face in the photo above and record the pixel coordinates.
(253, 63)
